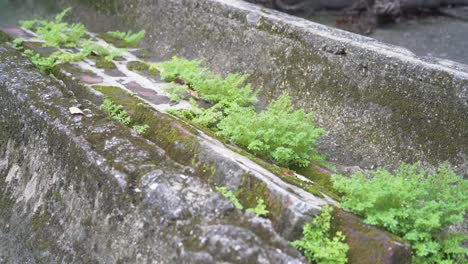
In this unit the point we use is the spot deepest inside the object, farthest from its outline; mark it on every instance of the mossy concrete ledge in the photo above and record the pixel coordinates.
(380, 103)
(85, 189)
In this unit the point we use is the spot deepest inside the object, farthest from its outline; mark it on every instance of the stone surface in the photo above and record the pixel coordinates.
(76, 189)
(381, 104)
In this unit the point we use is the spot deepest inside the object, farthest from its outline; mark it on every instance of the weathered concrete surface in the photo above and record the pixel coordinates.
(380, 103)
(203, 157)
(77, 189)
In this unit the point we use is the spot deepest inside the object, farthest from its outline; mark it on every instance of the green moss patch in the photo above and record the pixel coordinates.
(104, 64)
(137, 66)
(42, 224)
(142, 53)
(4, 37)
(146, 68)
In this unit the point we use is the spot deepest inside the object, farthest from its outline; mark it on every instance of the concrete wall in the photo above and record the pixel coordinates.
(77, 189)
(380, 103)
(85, 189)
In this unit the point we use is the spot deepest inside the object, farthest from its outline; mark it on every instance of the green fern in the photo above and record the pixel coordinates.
(140, 129)
(286, 135)
(279, 133)
(108, 53)
(416, 206)
(260, 209)
(131, 39)
(211, 87)
(44, 64)
(18, 43)
(116, 111)
(176, 92)
(30, 24)
(57, 33)
(231, 196)
(317, 244)
(62, 57)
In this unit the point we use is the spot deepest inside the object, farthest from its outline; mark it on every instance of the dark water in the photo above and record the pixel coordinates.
(435, 36)
(432, 36)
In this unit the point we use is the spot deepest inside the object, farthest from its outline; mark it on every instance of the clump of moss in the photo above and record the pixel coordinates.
(141, 66)
(137, 66)
(4, 37)
(105, 64)
(254, 194)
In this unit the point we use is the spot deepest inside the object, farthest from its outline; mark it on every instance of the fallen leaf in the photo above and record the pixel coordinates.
(76, 111)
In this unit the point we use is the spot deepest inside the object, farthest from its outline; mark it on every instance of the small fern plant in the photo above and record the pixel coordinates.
(176, 92)
(141, 129)
(231, 196)
(44, 64)
(317, 244)
(116, 111)
(280, 133)
(107, 54)
(56, 33)
(131, 39)
(414, 205)
(286, 135)
(210, 87)
(260, 209)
